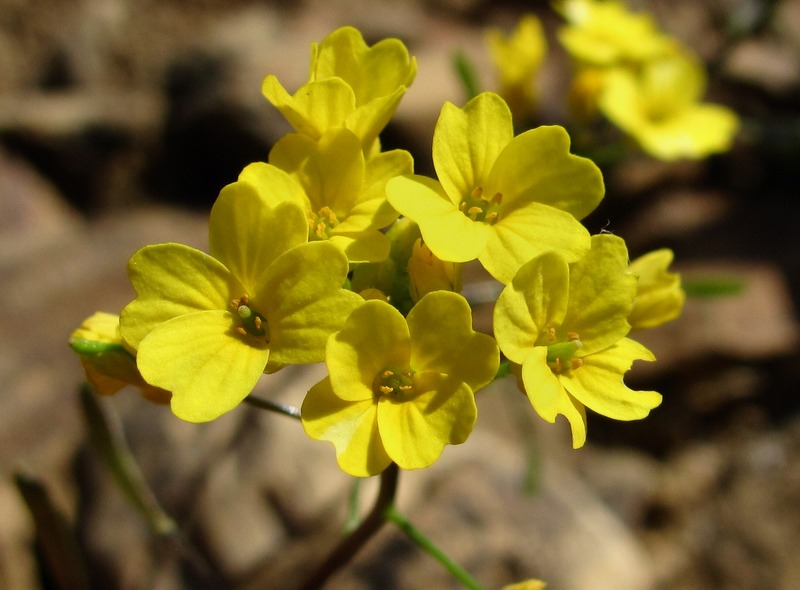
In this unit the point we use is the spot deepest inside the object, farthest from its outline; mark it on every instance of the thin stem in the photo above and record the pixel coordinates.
(424, 543)
(353, 518)
(352, 543)
(265, 404)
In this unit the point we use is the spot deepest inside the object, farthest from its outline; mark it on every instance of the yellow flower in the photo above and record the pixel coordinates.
(350, 85)
(343, 195)
(604, 33)
(517, 58)
(566, 326)
(531, 584)
(399, 390)
(660, 108)
(206, 326)
(108, 364)
(500, 199)
(659, 296)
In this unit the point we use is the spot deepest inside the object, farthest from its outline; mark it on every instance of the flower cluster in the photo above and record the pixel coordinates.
(334, 250)
(642, 80)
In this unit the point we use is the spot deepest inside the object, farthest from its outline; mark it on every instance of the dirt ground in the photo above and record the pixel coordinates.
(120, 120)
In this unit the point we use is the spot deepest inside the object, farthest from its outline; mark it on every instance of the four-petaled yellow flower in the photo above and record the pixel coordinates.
(206, 326)
(350, 85)
(659, 106)
(400, 389)
(566, 326)
(517, 59)
(659, 296)
(605, 33)
(500, 199)
(342, 194)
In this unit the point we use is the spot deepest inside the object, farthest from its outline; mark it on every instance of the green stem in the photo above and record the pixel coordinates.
(426, 545)
(265, 404)
(353, 542)
(353, 518)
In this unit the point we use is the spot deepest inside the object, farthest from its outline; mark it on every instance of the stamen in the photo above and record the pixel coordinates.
(473, 212)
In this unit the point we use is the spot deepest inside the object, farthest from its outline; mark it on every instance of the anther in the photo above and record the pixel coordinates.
(497, 198)
(241, 330)
(257, 323)
(575, 363)
(551, 334)
(474, 211)
(477, 192)
(385, 389)
(573, 336)
(387, 373)
(558, 365)
(491, 217)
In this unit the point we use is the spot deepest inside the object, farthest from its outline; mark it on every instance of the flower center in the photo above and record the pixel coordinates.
(561, 355)
(251, 323)
(321, 224)
(393, 383)
(480, 208)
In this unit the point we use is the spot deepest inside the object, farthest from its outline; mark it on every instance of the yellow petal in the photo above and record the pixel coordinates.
(537, 166)
(172, 280)
(450, 234)
(527, 232)
(443, 341)
(240, 220)
(598, 382)
(350, 425)
(315, 107)
(535, 300)
(374, 338)
(208, 367)
(549, 398)
(601, 293)
(301, 296)
(466, 143)
(274, 185)
(415, 431)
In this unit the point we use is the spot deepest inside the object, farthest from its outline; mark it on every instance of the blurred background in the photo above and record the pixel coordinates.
(120, 120)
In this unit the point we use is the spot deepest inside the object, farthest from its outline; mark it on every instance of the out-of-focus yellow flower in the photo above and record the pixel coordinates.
(605, 33)
(659, 106)
(659, 296)
(566, 325)
(108, 364)
(499, 198)
(517, 59)
(526, 585)
(400, 389)
(349, 85)
(426, 273)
